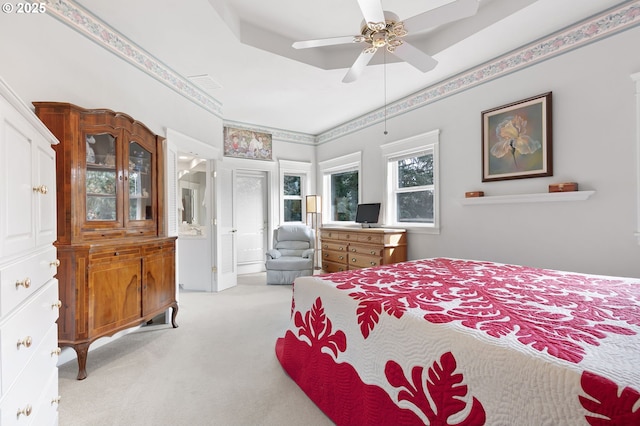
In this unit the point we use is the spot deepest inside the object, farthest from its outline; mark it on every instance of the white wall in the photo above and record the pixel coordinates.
(594, 144)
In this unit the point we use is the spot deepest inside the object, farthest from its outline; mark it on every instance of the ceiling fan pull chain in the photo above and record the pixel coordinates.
(384, 65)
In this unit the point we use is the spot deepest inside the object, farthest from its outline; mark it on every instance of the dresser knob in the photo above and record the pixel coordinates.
(26, 283)
(58, 305)
(353, 250)
(340, 257)
(56, 400)
(373, 252)
(341, 248)
(27, 341)
(56, 352)
(26, 411)
(373, 263)
(55, 263)
(42, 189)
(353, 259)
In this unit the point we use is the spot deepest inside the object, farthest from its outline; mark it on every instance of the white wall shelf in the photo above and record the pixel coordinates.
(529, 198)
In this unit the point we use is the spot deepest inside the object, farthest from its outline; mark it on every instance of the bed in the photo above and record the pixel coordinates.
(461, 342)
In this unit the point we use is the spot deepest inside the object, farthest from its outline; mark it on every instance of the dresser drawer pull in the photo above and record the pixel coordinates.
(373, 252)
(341, 248)
(26, 411)
(56, 352)
(42, 189)
(27, 341)
(373, 263)
(55, 263)
(56, 400)
(353, 250)
(341, 257)
(353, 259)
(326, 255)
(26, 283)
(369, 238)
(58, 305)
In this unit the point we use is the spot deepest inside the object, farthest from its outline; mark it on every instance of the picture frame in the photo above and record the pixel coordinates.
(517, 140)
(245, 143)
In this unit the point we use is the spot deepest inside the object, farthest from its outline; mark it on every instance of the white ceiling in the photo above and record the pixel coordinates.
(245, 47)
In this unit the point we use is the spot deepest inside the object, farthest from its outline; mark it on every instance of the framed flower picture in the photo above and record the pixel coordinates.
(516, 140)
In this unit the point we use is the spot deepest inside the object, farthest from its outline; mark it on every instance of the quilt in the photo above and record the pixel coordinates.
(463, 342)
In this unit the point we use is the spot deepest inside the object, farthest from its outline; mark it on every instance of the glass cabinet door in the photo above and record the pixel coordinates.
(100, 177)
(140, 183)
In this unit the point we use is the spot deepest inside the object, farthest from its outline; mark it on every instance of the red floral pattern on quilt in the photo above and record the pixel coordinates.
(338, 390)
(548, 310)
(610, 406)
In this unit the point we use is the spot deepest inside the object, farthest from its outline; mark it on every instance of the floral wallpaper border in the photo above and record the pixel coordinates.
(622, 17)
(89, 25)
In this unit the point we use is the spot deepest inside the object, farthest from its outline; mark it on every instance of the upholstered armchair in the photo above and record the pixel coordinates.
(292, 254)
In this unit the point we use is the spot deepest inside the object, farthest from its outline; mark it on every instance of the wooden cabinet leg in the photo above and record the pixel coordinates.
(81, 351)
(174, 313)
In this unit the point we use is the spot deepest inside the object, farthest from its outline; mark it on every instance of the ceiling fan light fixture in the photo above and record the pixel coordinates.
(379, 39)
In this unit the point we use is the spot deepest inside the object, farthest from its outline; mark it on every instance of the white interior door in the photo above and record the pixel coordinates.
(251, 213)
(225, 271)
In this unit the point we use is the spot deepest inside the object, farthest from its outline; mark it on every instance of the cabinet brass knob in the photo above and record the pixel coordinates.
(26, 411)
(326, 255)
(56, 400)
(373, 252)
(353, 250)
(373, 263)
(353, 259)
(26, 283)
(42, 189)
(340, 257)
(341, 248)
(56, 352)
(58, 305)
(27, 341)
(55, 263)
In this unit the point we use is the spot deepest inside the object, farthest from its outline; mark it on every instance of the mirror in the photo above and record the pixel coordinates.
(192, 187)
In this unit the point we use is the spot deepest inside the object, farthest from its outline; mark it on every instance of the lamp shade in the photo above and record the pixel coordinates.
(314, 204)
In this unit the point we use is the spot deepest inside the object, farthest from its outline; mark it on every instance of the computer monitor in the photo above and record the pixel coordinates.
(368, 214)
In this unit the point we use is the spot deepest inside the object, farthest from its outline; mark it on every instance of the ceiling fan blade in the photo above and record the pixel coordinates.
(441, 15)
(415, 57)
(372, 10)
(358, 66)
(323, 42)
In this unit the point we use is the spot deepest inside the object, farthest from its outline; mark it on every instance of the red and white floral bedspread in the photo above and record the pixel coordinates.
(459, 342)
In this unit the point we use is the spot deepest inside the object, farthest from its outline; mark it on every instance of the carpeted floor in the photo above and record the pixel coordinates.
(217, 368)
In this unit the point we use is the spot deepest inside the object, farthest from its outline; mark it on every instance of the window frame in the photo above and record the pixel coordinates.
(423, 144)
(294, 168)
(327, 168)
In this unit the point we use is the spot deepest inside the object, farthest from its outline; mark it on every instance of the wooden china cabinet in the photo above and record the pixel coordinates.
(117, 266)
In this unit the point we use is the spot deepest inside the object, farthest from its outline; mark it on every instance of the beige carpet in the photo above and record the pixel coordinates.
(218, 368)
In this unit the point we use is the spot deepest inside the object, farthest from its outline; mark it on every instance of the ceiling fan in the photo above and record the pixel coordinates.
(382, 29)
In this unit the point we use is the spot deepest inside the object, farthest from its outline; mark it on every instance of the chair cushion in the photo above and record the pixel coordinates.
(290, 263)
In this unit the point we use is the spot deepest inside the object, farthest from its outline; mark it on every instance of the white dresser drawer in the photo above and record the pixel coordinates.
(30, 325)
(33, 392)
(22, 279)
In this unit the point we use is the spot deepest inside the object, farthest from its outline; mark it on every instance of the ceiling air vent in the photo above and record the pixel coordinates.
(205, 82)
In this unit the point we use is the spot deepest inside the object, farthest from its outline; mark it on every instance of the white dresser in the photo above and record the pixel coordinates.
(29, 302)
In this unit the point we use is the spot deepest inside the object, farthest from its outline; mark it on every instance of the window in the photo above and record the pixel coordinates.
(412, 182)
(341, 187)
(294, 186)
(292, 198)
(344, 196)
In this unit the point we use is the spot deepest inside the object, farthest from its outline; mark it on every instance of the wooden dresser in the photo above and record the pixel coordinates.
(352, 248)
(29, 301)
(117, 266)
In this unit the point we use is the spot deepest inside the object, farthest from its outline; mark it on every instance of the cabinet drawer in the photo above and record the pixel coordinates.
(34, 387)
(333, 235)
(362, 261)
(113, 253)
(370, 238)
(335, 246)
(368, 250)
(22, 279)
(333, 267)
(334, 256)
(29, 326)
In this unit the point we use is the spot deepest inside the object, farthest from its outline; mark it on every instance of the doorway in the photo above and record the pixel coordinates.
(252, 220)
